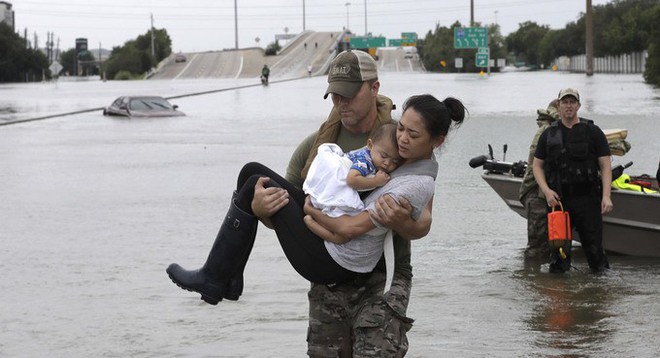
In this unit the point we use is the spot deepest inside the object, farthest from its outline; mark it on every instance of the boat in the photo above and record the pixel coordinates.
(631, 228)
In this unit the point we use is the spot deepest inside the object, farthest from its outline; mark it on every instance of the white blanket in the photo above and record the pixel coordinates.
(326, 183)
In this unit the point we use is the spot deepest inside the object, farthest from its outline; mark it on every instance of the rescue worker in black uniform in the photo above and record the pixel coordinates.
(572, 164)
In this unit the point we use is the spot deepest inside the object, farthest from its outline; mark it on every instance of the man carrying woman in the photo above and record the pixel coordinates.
(403, 204)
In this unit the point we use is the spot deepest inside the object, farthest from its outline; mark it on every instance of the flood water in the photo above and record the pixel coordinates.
(93, 209)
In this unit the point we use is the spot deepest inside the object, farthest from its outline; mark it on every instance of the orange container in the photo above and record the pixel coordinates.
(559, 227)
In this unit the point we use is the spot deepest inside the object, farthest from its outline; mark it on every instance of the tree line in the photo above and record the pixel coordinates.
(619, 27)
(18, 63)
(132, 60)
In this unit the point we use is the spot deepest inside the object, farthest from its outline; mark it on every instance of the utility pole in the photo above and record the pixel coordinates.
(49, 47)
(303, 15)
(471, 13)
(153, 52)
(589, 35)
(236, 23)
(366, 33)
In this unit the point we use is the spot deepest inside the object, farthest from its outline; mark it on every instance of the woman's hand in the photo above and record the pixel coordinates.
(390, 213)
(398, 217)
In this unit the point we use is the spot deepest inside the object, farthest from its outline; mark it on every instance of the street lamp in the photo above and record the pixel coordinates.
(236, 23)
(366, 33)
(347, 23)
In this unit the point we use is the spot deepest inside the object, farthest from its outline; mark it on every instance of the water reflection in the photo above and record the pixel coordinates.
(110, 203)
(570, 312)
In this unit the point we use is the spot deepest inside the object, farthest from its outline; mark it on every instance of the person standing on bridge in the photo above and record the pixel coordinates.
(265, 72)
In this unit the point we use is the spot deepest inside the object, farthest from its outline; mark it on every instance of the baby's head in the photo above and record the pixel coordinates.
(384, 149)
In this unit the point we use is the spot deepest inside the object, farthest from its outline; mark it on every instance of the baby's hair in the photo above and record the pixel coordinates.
(385, 132)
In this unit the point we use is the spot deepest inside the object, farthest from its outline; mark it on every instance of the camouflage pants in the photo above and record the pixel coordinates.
(536, 209)
(355, 319)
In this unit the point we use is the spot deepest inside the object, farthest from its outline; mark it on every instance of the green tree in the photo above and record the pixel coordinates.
(135, 58)
(86, 63)
(17, 62)
(67, 61)
(525, 42)
(126, 58)
(437, 48)
(620, 27)
(162, 44)
(437, 53)
(496, 42)
(273, 48)
(652, 70)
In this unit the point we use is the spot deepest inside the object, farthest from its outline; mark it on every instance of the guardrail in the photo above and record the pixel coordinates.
(626, 63)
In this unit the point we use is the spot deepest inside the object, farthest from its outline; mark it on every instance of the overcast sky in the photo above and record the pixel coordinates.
(206, 25)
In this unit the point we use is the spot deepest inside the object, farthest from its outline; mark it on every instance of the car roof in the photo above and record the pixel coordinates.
(141, 97)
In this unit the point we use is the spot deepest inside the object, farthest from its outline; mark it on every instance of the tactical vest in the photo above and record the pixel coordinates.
(571, 163)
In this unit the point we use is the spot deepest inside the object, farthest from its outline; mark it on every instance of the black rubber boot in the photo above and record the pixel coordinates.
(235, 287)
(231, 248)
(560, 263)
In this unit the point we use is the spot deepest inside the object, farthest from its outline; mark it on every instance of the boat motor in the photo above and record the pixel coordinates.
(492, 165)
(495, 166)
(618, 170)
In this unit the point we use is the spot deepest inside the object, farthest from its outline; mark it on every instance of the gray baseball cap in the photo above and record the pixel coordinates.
(348, 71)
(569, 92)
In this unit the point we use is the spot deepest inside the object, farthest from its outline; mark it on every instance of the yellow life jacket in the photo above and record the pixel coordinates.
(623, 183)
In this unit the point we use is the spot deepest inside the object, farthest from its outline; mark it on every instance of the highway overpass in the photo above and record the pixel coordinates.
(308, 48)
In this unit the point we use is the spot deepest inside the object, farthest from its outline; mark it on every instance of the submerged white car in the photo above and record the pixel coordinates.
(142, 106)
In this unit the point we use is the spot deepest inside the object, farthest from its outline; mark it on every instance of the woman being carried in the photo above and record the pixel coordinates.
(423, 127)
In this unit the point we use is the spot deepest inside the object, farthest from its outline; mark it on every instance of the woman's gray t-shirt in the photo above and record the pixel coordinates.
(415, 182)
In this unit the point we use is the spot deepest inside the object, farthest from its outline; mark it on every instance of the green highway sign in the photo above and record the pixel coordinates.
(395, 42)
(408, 39)
(470, 37)
(410, 36)
(367, 42)
(481, 60)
